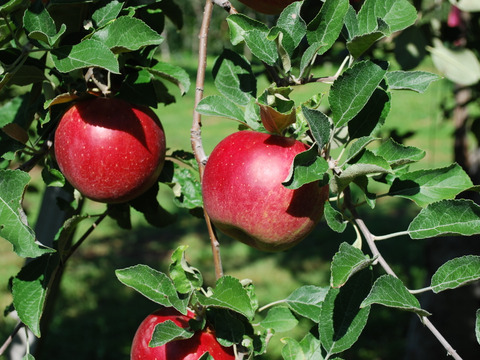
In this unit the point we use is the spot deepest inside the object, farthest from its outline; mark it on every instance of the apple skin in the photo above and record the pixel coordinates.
(270, 7)
(109, 149)
(188, 349)
(244, 196)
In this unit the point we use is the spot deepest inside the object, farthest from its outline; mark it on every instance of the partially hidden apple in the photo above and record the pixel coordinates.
(244, 196)
(188, 349)
(271, 7)
(110, 150)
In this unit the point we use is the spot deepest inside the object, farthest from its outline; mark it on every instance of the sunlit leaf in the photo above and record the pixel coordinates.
(346, 262)
(456, 272)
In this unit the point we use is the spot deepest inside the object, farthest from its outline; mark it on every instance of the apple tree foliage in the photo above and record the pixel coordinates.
(61, 50)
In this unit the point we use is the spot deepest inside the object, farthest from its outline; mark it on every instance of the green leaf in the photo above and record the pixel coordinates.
(311, 347)
(138, 36)
(168, 331)
(334, 218)
(458, 65)
(326, 27)
(372, 116)
(320, 125)
(352, 90)
(229, 294)
(234, 78)
(341, 318)
(309, 56)
(358, 146)
(447, 217)
(390, 291)
(28, 357)
(107, 13)
(428, 186)
(307, 301)
(30, 288)
(230, 327)
(254, 33)
(292, 350)
(292, 23)
(280, 319)
(185, 277)
(397, 14)
(307, 167)
(85, 54)
(13, 221)
(367, 163)
(410, 80)
(215, 105)
(187, 188)
(347, 261)
(455, 273)
(398, 154)
(172, 73)
(361, 43)
(152, 284)
(40, 26)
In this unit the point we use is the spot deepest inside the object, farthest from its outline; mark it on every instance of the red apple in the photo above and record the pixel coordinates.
(271, 7)
(189, 349)
(109, 149)
(244, 196)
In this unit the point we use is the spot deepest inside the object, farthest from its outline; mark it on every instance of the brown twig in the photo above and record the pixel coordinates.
(196, 132)
(226, 5)
(370, 239)
(9, 340)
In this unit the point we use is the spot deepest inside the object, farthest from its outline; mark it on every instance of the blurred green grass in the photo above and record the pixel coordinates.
(97, 315)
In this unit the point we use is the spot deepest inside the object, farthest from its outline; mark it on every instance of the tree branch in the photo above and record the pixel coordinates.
(226, 5)
(370, 239)
(196, 132)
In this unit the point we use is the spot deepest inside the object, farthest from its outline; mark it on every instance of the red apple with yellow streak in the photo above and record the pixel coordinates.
(244, 196)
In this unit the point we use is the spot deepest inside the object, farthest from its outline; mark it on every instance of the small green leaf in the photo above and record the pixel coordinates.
(341, 318)
(390, 291)
(107, 13)
(320, 125)
(168, 331)
(428, 186)
(309, 56)
(138, 36)
(352, 90)
(346, 262)
(307, 301)
(152, 284)
(358, 146)
(397, 14)
(459, 65)
(229, 294)
(292, 350)
(187, 188)
(40, 26)
(28, 357)
(311, 347)
(185, 277)
(307, 167)
(398, 154)
(85, 54)
(234, 78)
(30, 288)
(215, 105)
(372, 116)
(292, 23)
(447, 217)
(326, 27)
(13, 221)
(280, 319)
(254, 33)
(361, 43)
(410, 80)
(334, 218)
(456, 272)
(172, 73)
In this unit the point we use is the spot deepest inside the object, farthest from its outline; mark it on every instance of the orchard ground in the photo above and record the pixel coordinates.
(97, 316)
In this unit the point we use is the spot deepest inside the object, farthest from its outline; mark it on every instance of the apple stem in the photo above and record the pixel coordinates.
(196, 132)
